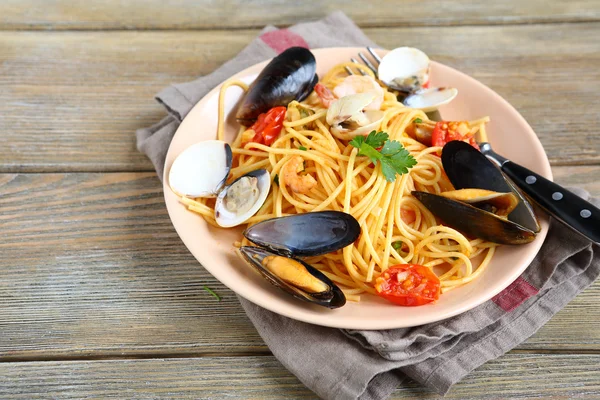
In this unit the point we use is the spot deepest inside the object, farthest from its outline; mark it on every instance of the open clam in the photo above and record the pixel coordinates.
(202, 169)
(281, 241)
(349, 115)
(407, 70)
(289, 76)
(485, 205)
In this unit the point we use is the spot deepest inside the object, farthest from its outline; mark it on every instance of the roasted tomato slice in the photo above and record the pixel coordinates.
(447, 131)
(267, 127)
(408, 285)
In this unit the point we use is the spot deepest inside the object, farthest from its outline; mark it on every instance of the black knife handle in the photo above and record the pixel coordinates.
(565, 206)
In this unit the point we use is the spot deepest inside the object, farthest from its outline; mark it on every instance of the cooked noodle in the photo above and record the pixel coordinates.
(350, 183)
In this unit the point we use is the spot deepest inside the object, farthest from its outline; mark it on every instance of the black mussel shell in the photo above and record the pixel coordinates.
(467, 168)
(473, 221)
(305, 235)
(332, 298)
(289, 76)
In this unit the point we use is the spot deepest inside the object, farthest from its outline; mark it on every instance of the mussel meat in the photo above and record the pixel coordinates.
(289, 76)
(202, 169)
(484, 205)
(281, 241)
(500, 204)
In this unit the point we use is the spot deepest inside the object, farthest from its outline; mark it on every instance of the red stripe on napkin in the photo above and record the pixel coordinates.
(514, 295)
(283, 39)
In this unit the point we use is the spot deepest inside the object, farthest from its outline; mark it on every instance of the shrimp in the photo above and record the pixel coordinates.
(324, 94)
(301, 184)
(354, 84)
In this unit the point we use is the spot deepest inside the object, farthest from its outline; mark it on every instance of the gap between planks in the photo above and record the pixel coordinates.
(101, 169)
(168, 355)
(449, 24)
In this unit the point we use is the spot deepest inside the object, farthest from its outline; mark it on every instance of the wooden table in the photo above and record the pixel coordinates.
(99, 297)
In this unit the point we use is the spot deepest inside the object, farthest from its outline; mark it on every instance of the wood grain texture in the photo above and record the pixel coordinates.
(72, 100)
(224, 14)
(513, 376)
(92, 267)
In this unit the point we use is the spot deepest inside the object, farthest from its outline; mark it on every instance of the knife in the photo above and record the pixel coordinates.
(565, 206)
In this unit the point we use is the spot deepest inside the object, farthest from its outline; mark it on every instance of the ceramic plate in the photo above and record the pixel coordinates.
(509, 133)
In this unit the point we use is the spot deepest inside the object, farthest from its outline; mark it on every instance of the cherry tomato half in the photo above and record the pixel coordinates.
(447, 131)
(408, 285)
(268, 126)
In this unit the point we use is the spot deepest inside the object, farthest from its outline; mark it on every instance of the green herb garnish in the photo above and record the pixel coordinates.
(397, 245)
(418, 120)
(302, 148)
(394, 158)
(276, 179)
(212, 293)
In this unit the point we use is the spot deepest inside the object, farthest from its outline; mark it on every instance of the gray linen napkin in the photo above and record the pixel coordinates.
(371, 364)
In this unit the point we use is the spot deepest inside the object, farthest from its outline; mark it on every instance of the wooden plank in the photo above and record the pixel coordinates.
(512, 376)
(92, 267)
(72, 100)
(225, 14)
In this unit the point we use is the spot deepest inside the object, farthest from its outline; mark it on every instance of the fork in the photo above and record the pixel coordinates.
(372, 67)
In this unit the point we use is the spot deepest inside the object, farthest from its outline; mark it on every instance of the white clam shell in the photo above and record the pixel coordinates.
(227, 218)
(430, 99)
(201, 170)
(373, 116)
(348, 107)
(404, 63)
(351, 108)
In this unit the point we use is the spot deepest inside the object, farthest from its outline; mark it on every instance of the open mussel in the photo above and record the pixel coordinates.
(474, 221)
(485, 205)
(289, 76)
(467, 167)
(202, 169)
(281, 241)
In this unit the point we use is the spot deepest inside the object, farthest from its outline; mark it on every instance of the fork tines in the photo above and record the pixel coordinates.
(366, 61)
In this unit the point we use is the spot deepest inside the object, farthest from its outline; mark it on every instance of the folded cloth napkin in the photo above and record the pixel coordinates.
(371, 364)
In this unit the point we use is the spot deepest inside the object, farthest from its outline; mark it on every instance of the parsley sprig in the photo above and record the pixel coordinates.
(394, 158)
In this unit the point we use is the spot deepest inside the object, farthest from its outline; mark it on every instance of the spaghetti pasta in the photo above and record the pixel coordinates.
(395, 227)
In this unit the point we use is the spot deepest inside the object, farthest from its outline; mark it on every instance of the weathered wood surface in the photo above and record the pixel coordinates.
(514, 376)
(70, 101)
(224, 14)
(92, 267)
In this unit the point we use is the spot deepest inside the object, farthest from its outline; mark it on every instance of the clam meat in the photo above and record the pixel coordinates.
(349, 115)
